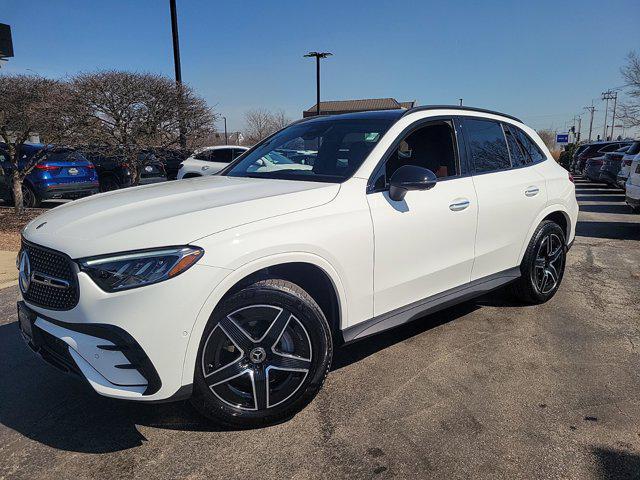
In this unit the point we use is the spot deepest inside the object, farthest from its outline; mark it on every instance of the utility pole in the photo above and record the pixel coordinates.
(579, 128)
(178, 68)
(591, 110)
(613, 120)
(608, 95)
(460, 102)
(318, 56)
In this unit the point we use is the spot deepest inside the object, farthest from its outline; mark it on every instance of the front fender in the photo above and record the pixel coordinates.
(242, 272)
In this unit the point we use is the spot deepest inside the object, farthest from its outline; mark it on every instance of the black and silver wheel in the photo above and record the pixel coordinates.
(543, 264)
(264, 355)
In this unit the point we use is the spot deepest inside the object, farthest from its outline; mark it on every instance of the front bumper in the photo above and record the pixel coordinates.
(105, 355)
(130, 344)
(608, 176)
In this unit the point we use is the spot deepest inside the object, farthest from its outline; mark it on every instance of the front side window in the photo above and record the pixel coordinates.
(487, 144)
(431, 146)
(324, 150)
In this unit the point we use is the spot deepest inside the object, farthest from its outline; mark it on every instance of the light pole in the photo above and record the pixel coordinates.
(226, 138)
(178, 68)
(318, 56)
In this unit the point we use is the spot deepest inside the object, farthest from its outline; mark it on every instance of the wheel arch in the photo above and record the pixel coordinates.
(310, 271)
(557, 213)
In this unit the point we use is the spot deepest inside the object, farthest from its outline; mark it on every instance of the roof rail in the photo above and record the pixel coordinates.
(458, 107)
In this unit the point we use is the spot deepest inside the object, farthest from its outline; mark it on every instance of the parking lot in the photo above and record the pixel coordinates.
(487, 389)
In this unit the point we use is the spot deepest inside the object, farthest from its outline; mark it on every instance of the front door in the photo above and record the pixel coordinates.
(424, 244)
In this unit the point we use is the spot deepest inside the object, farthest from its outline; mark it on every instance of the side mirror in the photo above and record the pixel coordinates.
(410, 177)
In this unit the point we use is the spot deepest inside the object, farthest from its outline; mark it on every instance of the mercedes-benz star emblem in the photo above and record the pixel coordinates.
(24, 275)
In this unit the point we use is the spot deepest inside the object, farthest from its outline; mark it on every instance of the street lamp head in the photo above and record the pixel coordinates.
(319, 54)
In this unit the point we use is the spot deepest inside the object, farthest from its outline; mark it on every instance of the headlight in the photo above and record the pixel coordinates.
(135, 269)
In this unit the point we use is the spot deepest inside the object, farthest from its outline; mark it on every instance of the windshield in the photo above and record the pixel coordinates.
(328, 150)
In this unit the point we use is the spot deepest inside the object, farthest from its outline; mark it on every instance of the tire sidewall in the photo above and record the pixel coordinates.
(313, 320)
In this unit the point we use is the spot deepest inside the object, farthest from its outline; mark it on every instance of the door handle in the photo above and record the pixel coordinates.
(531, 191)
(459, 204)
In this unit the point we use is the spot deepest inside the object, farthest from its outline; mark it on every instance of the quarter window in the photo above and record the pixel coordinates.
(518, 158)
(529, 146)
(488, 146)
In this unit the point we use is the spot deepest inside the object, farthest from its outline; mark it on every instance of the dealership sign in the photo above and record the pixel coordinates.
(562, 138)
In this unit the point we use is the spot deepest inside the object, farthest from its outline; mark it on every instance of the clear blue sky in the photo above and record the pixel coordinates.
(540, 60)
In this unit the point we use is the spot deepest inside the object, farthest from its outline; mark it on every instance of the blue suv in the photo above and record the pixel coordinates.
(62, 173)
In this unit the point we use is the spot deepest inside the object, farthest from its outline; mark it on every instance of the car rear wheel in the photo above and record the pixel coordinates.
(264, 355)
(29, 198)
(543, 264)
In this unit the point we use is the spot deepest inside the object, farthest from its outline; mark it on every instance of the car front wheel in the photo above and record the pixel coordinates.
(264, 355)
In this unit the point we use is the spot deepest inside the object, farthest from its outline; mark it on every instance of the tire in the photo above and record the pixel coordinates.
(109, 184)
(271, 333)
(545, 257)
(29, 197)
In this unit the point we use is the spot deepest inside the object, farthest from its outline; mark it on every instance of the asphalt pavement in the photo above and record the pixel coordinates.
(487, 389)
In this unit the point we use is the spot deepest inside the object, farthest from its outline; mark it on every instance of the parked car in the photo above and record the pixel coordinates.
(233, 289)
(576, 154)
(611, 166)
(63, 173)
(632, 187)
(592, 168)
(625, 167)
(150, 169)
(114, 172)
(595, 149)
(171, 159)
(209, 160)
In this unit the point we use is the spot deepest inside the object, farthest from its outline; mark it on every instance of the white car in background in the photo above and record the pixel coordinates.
(625, 166)
(632, 194)
(209, 160)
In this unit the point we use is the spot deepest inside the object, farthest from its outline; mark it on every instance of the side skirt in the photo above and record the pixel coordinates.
(430, 305)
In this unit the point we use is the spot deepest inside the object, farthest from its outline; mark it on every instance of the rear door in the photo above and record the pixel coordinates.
(511, 193)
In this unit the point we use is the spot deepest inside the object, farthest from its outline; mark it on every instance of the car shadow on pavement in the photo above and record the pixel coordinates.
(63, 412)
(616, 463)
(612, 230)
(346, 355)
(619, 208)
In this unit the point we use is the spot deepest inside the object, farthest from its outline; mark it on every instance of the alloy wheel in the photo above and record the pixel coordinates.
(256, 357)
(548, 265)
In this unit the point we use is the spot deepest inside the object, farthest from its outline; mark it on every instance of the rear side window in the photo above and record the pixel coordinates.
(529, 146)
(518, 157)
(487, 144)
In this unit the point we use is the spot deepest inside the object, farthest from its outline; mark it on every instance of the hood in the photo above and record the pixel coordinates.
(169, 213)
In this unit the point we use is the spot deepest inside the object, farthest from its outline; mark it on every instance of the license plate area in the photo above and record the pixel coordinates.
(26, 318)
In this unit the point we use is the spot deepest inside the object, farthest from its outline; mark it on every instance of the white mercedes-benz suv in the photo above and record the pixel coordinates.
(234, 289)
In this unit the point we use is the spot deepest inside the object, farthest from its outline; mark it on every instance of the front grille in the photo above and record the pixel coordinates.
(54, 265)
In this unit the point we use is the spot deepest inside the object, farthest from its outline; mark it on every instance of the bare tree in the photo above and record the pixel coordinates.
(126, 113)
(261, 123)
(630, 109)
(30, 104)
(549, 138)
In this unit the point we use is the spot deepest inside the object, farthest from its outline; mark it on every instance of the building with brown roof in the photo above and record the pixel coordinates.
(334, 107)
